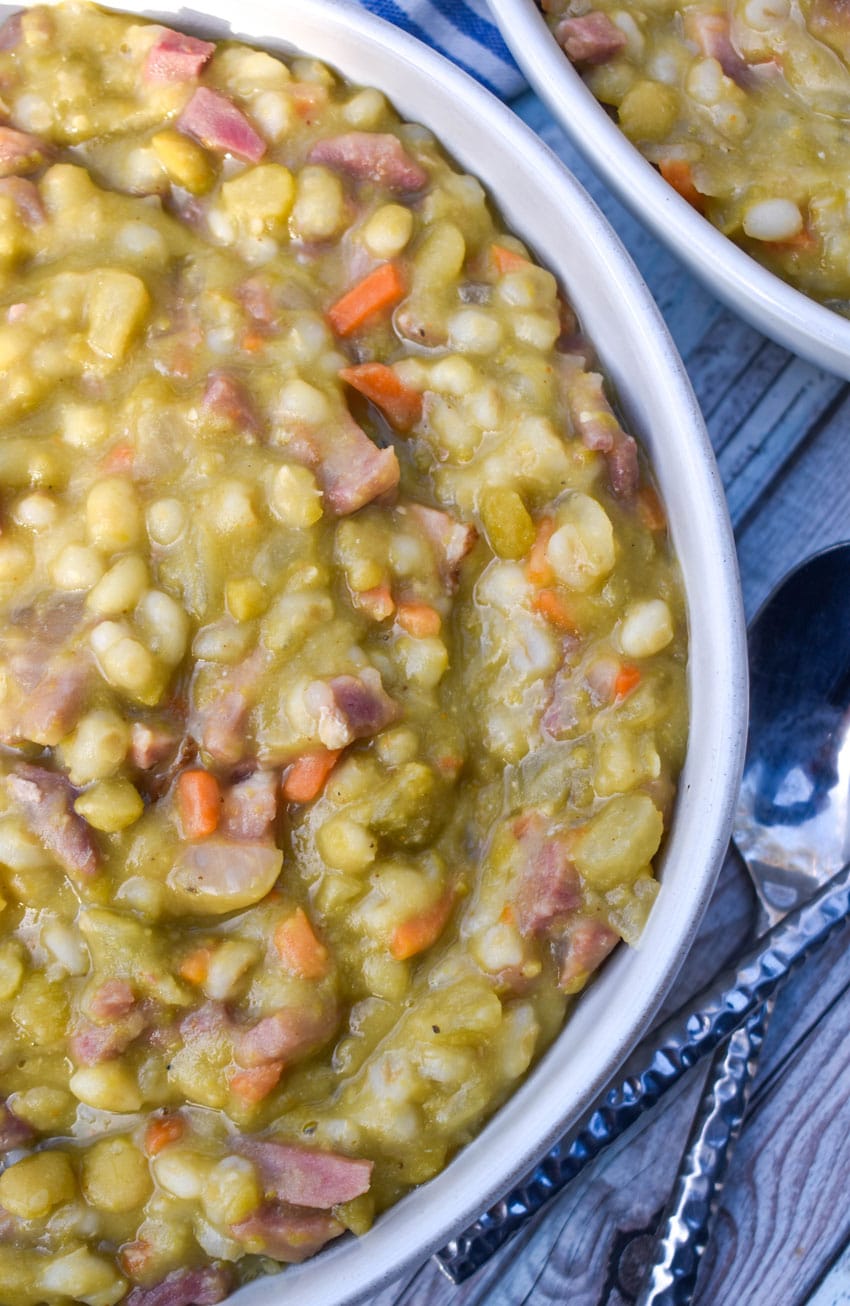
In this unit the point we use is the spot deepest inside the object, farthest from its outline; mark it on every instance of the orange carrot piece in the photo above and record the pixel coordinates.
(400, 404)
(161, 1131)
(380, 289)
(507, 260)
(301, 953)
(199, 803)
(553, 607)
(119, 459)
(804, 239)
(255, 1084)
(418, 619)
(628, 678)
(253, 342)
(418, 932)
(307, 775)
(650, 508)
(677, 173)
(537, 568)
(195, 968)
(135, 1257)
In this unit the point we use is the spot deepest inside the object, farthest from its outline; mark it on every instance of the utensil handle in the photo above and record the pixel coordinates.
(686, 1225)
(683, 1039)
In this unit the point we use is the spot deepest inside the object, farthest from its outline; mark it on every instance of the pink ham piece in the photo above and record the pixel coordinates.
(287, 1233)
(11, 31)
(561, 716)
(43, 711)
(46, 800)
(451, 540)
(26, 198)
(350, 707)
(90, 1044)
(371, 156)
(219, 125)
(582, 949)
(111, 999)
(250, 807)
(590, 39)
(221, 725)
(14, 1132)
(287, 1035)
(710, 31)
(548, 886)
(177, 57)
(20, 152)
(352, 469)
(227, 399)
(150, 745)
(199, 1287)
(304, 1176)
(598, 428)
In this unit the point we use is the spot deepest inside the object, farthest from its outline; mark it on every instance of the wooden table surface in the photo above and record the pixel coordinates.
(780, 428)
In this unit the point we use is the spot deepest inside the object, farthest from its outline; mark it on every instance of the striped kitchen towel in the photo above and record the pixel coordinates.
(464, 31)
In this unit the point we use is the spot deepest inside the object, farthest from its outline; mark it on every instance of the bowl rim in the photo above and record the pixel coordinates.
(773, 306)
(634, 981)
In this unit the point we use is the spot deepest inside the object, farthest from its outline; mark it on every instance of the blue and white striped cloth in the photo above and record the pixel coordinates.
(461, 29)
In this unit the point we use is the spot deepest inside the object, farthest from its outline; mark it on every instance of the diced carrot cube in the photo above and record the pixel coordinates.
(307, 775)
(298, 948)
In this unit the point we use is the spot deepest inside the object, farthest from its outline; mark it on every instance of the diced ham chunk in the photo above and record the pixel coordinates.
(305, 1176)
(20, 152)
(256, 298)
(351, 468)
(204, 1286)
(227, 400)
(590, 39)
(46, 711)
(113, 998)
(151, 744)
(250, 807)
(451, 540)
(177, 57)
(27, 200)
(11, 31)
(46, 800)
(14, 1132)
(583, 949)
(350, 707)
(221, 725)
(371, 156)
(90, 1044)
(549, 886)
(223, 736)
(561, 717)
(287, 1035)
(219, 875)
(287, 1233)
(710, 31)
(598, 428)
(218, 124)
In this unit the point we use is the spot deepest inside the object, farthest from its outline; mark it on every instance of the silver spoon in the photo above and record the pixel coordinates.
(792, 828)
(795, 792)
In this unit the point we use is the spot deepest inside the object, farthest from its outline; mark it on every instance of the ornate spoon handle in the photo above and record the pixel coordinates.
(687, 1036)
(686, 1225)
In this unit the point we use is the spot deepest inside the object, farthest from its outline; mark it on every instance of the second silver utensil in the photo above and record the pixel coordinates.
(792, 829)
